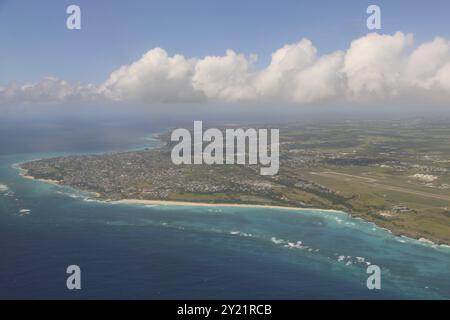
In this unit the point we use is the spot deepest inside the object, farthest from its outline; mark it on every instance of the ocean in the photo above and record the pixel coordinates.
(172, 252)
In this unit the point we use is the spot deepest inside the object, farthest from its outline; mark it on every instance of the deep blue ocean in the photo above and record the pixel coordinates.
(168, 252)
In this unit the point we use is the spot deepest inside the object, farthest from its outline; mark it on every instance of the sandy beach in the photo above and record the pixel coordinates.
(206, 204)
(23, 173)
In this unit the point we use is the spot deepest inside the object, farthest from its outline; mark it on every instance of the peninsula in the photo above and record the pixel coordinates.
(393, 173)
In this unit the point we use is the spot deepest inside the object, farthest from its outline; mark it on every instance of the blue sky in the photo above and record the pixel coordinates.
(36, 43)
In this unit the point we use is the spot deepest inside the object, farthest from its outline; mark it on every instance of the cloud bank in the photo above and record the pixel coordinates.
(374, 69)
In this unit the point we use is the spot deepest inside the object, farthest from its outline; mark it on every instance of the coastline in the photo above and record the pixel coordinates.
(24, 174)
(207, 204)
(97, 197)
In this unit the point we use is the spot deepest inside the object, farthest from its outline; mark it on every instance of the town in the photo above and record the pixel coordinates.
(393, 173)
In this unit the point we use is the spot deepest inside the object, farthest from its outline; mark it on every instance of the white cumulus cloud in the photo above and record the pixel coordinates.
(374, 69)
(226, 78)
(156, 77)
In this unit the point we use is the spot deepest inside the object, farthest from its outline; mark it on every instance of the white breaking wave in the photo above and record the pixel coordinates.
(293, 244)
(349, 260)
(277, 241)
(4, 188)
(297, 245)
(24, 211)
(241, 234)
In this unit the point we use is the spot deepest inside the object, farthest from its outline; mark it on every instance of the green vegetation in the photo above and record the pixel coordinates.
(393, 173)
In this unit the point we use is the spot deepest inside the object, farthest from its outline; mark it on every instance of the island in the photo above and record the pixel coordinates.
(393, 173)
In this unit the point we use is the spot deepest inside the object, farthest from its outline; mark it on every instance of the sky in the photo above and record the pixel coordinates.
(38, 49)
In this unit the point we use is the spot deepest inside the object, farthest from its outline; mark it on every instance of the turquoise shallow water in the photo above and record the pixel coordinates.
(137, 251)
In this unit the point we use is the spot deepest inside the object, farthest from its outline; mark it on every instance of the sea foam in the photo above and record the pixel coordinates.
(4, 188)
